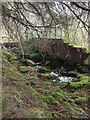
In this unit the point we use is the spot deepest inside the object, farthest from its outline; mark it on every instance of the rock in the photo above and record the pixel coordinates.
(87, 60)
(43, 70)
(75, 79)
(62, 69)
(85, 70)
(54, 74)
(35, 56)
(57, 49)
(39, 64)
(55, 83)
(30, 62)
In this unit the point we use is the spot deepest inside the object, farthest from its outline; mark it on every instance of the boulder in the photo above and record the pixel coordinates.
(57, 49)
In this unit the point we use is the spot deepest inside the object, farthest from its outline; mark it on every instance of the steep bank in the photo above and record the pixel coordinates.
(29, 93)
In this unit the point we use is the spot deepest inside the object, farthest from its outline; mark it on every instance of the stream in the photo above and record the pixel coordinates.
(62, 79)
(58, 77)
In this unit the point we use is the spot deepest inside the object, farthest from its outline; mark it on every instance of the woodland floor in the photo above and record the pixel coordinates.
(29, 93)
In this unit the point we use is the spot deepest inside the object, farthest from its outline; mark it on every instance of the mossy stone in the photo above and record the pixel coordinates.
(43, 70)
(55, 103)
(35, 56)
(58, 95)
(81, 100)
(47, 83)
(23, 69)
(35, 77)
(83, 48)
(80, 84)
(46, 91)
(48, 98)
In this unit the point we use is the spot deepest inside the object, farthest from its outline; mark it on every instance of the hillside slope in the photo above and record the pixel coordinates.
(29, 93)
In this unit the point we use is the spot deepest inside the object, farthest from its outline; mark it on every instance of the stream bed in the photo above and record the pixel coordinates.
(60, 79)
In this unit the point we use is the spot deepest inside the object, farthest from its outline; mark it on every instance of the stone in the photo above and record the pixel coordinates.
(57, 49)
(30, 62)
(43, 70)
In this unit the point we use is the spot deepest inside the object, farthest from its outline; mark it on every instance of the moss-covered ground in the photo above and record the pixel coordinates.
(29, 93)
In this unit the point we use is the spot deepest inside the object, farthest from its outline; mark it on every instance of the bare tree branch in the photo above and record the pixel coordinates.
(83, 8)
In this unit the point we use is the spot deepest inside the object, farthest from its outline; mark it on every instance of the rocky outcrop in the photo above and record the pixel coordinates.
(60, 50)
(55, 48)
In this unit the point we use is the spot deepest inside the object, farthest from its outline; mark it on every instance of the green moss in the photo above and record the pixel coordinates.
(74, 95)
(48, 75)
(83, 77)
(70, 100)
(56, 103)
(35, 77)
(70, 85)
(84, 82)
(73, 109)
(58, 95)
(46, 91)
(33, 83)
(7, 56)
(81, 100)
(44, 70)
(48, 98)
(16, 62)
(12, 73)
(34, 56)
(55, 88)
(23, 69)
(63, 85)
(47, 83)
(83, 48)
(3, 104)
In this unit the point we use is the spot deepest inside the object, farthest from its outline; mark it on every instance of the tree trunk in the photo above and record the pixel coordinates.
(89, 30)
